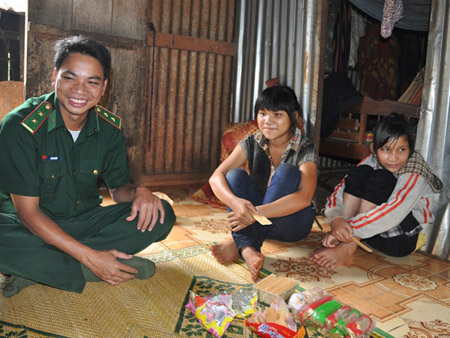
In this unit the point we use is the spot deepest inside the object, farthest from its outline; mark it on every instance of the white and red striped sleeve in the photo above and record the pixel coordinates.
(406, 196)
(334, 206)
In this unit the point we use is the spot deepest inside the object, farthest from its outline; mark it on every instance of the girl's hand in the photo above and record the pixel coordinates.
(329, 240)
(341, 230)
(241, 215)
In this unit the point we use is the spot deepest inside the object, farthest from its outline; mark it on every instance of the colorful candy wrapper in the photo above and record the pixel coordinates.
(213, 312)
(270, 330)
(244, 302)
(362, 327)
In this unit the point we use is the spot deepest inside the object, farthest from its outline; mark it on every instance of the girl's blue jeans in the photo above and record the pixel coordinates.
(290, 228)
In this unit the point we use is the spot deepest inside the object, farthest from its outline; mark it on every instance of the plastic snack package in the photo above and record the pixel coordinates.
(340, 329)
(244, 302)
(279, 306)
(362, 327)
(299, 300)
(319, 315)
(270, 330)
(213, 312)
(308, 311)
(313, 294)
(276, 321)
(332, 319)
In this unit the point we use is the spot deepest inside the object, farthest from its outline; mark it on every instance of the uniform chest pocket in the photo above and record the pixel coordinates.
(89, 171)
(51, 176)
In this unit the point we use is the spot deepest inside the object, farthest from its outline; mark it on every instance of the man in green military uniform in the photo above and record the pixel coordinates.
(53, 149)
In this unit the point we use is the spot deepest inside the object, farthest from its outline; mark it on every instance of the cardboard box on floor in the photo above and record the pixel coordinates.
(273, 286)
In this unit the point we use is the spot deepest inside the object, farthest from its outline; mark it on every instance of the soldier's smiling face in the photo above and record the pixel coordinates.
(79, 85)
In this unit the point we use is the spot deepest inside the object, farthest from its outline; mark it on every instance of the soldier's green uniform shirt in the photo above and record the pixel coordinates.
(38, 157)
(42, 159)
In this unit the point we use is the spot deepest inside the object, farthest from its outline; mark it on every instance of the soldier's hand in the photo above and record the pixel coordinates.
(104, 264)
(149, 207)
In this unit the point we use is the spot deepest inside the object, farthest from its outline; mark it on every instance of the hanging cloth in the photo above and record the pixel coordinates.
(341, 38)
(416, 13)
(392, 13)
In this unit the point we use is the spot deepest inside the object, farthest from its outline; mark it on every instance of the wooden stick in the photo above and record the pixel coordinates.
(320, 226)
(361, 245)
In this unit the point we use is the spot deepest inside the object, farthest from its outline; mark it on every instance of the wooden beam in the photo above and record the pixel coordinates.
(387, 107)
(173, 180)
(343, 149)
(183, 42)
(54, 33)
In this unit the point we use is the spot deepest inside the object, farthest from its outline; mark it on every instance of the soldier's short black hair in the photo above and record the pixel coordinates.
(83, 45)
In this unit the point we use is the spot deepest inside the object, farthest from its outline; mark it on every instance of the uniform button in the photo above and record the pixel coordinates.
(74, 173)
(95, 172)
(53, 176)
(78, 202)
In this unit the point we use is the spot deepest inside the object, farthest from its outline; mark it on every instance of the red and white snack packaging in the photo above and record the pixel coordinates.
(270, 330)
(332, 319)
(308, 311)
(362, 327)
(276, 321)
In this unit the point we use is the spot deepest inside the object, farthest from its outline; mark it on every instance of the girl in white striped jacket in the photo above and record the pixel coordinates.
(385, 200)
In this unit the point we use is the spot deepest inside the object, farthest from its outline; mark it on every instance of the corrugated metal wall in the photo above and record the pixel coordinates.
(433, 137)
(191, 81)
(284, 40)
(277, 38)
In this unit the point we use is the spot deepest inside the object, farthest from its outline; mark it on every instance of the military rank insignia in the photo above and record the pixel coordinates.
(37, 117)
(109, 117)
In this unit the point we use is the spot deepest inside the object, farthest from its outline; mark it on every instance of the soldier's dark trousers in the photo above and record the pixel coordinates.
(102, 228)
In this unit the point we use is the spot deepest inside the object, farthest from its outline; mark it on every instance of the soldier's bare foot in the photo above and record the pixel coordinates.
(254, 260)
(225, 252)
(333, 257)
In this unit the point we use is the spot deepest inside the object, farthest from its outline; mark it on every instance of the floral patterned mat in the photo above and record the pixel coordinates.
(152, 308)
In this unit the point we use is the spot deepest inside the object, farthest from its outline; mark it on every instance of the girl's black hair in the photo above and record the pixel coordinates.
(279, 98)
(391, 128)
(83, 45)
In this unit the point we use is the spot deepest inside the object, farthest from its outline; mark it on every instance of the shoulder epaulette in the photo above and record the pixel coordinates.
(37, 117)
(109, 117)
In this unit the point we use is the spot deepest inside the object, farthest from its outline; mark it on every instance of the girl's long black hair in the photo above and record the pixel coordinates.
(391, 128)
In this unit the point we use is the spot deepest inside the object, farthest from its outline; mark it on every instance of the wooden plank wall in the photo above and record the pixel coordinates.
(190, 76)
(190, 105)
(121, 25)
